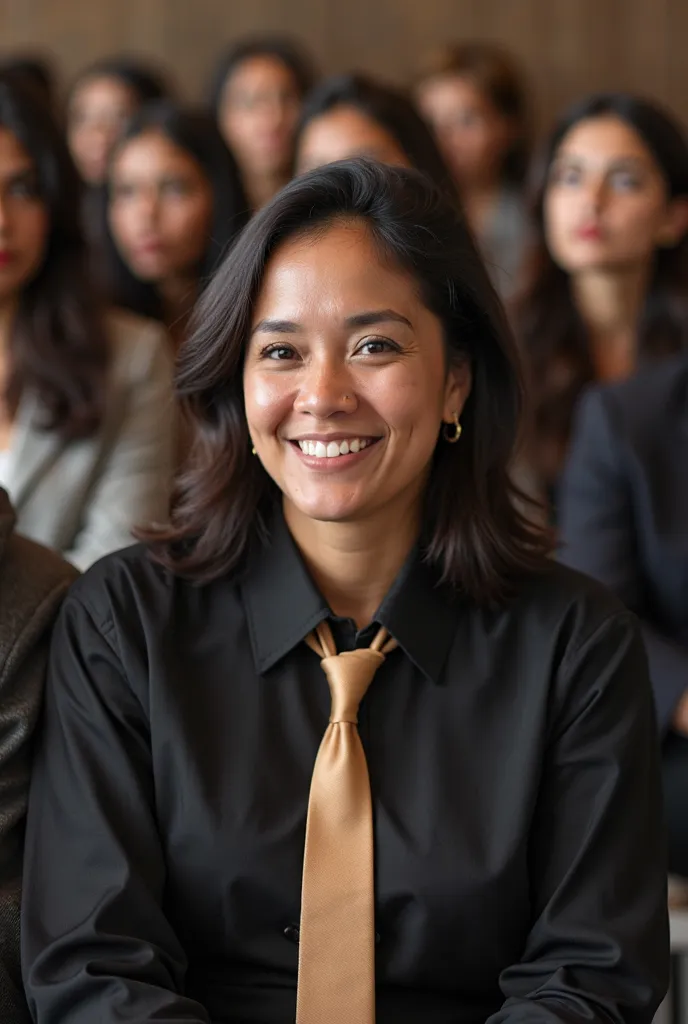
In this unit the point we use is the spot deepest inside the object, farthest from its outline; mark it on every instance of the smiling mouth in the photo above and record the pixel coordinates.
(334, 449)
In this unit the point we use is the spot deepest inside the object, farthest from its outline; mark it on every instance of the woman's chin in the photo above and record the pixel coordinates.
(327, 509)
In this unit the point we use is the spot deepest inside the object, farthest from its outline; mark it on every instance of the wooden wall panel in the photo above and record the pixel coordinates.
(567, 46)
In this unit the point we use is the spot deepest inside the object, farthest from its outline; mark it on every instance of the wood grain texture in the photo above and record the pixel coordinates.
(567, 47)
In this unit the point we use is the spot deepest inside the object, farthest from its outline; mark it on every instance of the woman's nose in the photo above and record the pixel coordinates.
(325, 390)
(595, 192)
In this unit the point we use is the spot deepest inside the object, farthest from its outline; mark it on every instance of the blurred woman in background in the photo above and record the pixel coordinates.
(175, 202)
(256, 97)
(474, 98)
(624, 510)
(609, 282)
(101, 103)
(86, 429)
(354, 115)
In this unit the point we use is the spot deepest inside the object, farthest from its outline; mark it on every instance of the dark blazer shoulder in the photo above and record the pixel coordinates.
(640, 407)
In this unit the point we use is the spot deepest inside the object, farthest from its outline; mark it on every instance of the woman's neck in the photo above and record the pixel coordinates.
(354, 564)
(609, 304)
(8, 314)
(178, 295)
(260, 188)
(479, 203)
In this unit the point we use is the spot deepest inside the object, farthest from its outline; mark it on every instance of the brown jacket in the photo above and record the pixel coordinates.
(33, 582)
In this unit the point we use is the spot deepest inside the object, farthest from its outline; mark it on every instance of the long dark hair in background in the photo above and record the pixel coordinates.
(547, 323)
(224, 499)
(195, 133)
(58, 346)
(393, 110)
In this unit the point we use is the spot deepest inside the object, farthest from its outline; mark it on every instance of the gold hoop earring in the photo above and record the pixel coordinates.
(452, 431)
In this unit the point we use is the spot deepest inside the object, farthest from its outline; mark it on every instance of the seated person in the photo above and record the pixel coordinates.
(456, 818)
(86, 410)
(33, 581)
(624, 520)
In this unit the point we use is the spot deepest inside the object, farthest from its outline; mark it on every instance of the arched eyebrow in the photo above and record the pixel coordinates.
(367, 319)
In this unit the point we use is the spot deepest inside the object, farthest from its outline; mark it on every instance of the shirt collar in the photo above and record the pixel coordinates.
(283, 605)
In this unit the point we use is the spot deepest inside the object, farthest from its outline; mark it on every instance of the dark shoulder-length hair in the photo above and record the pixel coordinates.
(547, 323)
(195, 133)
(59, 349)
(392, 109)
(280, 48)
(224, 499)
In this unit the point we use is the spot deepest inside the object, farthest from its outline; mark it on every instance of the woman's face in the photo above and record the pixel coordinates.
(259, 109)
(99, 111)
(24, 219)
(161, 208)
(606, 202)
(343, 133)
(473, 135)
(345, 379)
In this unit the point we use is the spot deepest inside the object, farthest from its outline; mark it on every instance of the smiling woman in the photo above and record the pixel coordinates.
(215, 833)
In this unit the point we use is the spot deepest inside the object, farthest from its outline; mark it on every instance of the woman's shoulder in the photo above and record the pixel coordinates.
(133, 592)
(139, 345)
(569, 605)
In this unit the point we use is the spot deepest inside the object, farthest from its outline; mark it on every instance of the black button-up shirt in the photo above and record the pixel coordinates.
(513, 764)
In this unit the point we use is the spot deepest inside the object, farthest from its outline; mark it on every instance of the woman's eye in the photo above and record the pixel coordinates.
(567, 176)
(23, 189)
(376, 347)
(624, 181)
(278, 352)
(174, 188)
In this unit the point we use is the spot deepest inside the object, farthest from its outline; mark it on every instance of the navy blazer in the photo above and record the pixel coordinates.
(624, 511)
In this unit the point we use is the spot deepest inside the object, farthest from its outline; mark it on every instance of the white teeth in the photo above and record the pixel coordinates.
(332, 449)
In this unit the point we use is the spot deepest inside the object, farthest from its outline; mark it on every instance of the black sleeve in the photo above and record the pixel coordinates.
(598, 536)
(598, 948)
(96, 945)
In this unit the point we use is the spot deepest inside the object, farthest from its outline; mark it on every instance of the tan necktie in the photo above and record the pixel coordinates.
(336, 982)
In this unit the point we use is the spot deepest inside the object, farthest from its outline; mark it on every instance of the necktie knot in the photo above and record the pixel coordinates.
(349, 675)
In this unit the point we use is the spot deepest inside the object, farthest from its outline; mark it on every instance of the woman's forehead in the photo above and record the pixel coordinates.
(338, 266)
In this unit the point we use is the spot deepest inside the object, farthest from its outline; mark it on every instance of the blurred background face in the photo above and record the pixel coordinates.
(606, 202)
(99, 111)
(258, 113)
(342, 133)
(24, 219)
(472, 134)
(345, 379)
(161, 208)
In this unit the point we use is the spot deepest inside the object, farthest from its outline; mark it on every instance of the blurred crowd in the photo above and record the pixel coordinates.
(118, 201)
